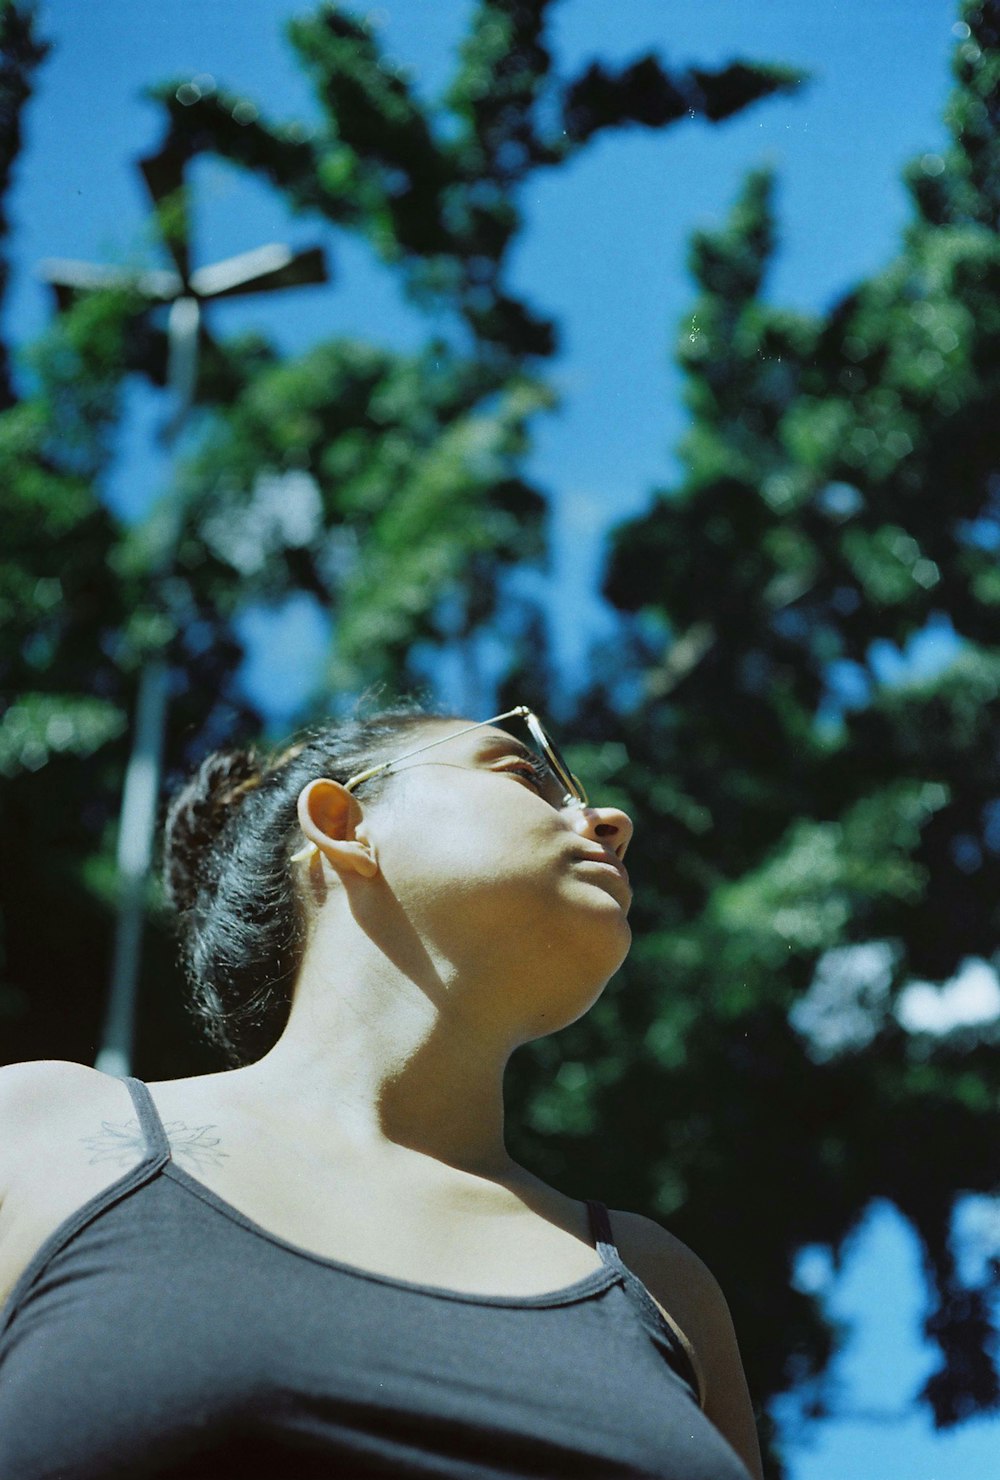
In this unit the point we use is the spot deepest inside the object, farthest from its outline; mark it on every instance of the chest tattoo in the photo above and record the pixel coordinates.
(122, 1142)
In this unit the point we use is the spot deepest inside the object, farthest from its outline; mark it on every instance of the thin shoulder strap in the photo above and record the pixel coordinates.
(150, 1123)
(157, 1154)
(600, 1231)
(663, 1328)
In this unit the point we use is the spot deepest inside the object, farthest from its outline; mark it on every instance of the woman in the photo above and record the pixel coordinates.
(324, 1262)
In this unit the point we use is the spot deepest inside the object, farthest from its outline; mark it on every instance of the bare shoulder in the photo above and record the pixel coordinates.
(42, 1082)
(666, 1265)
(48, 1110)
(692, 1299)
(38, 1100)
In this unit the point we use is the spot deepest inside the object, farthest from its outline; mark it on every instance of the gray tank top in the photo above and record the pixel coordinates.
(160, 1332)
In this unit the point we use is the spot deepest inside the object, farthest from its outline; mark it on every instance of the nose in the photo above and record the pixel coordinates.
(609, 826)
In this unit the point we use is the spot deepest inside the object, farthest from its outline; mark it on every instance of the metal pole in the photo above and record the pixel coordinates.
(260, 271)
(135, 849)
(137, 826)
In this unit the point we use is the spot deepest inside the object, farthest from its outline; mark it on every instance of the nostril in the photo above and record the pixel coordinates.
(603, 828)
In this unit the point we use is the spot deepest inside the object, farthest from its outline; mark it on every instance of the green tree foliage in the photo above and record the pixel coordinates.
(61, 691)
(420, 507)
(388, 486)
(21, 51)
(801, 860)
(434, 188)
(77, 621)
(391, 487)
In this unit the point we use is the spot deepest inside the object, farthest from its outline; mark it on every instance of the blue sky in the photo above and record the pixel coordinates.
(604, 251)
(605, 244)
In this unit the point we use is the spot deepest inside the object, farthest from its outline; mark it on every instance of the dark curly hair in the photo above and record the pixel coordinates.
(230, 832)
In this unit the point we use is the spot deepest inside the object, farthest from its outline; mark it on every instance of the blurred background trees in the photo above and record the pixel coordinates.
(825, 834)
(817, 830)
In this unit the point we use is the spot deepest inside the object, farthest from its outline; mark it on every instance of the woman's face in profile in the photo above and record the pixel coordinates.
(475, 843)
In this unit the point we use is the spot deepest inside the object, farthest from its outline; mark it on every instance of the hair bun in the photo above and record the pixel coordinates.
(196, 817)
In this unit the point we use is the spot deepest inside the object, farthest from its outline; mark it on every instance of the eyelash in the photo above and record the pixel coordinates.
(533, 769)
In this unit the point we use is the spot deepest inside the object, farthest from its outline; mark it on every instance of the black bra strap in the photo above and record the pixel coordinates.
(600, 1230)
(149, 1120)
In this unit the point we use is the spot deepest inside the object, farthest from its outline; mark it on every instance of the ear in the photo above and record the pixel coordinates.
(332, 820)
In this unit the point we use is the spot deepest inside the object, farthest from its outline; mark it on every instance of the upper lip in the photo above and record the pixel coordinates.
(611, 858)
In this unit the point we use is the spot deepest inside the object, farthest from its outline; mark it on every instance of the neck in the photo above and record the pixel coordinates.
(383, 1055)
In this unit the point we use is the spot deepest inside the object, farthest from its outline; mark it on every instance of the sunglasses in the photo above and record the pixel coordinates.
(567, 789)
(573, 793)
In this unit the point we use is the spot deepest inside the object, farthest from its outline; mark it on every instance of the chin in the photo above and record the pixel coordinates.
(610, 939)
(575, 1001)
(601, 937)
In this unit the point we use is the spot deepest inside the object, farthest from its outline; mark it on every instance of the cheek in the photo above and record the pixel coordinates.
(459, 841)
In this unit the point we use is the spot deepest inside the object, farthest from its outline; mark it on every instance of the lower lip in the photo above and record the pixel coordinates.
(609, 867)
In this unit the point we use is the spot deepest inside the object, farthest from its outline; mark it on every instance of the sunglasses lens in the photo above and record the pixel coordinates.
(564, 778)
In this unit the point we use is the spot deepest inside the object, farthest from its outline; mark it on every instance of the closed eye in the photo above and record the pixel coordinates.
(533, 772)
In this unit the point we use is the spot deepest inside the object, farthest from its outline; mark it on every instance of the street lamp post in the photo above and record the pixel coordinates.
(183, 291)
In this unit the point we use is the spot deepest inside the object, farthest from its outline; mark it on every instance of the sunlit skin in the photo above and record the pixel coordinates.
(453, 917)
(453, 912)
